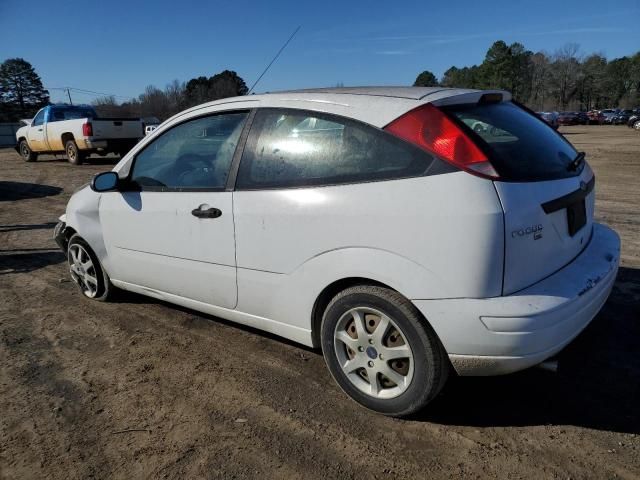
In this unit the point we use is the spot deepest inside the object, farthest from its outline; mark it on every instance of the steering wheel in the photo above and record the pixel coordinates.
(201, 176)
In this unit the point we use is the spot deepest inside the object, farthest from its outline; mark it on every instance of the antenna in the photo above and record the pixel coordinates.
(274, 59)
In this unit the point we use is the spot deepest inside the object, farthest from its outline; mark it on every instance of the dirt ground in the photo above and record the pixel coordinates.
(142, 389)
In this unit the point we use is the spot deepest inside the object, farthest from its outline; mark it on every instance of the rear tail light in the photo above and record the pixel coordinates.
(430, 129)
(87, 129)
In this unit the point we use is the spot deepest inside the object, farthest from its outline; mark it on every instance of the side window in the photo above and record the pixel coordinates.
(293, 148)
(39, 118)
(56, 115)
(193, 155)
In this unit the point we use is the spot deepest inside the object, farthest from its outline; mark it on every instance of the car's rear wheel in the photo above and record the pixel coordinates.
(26, 153)
(381, 351)
(74, 154)
(637, 125)
(86, 270)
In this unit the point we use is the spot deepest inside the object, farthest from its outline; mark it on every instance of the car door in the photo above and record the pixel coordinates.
(36, 133)
(311, 184)
(171, 228)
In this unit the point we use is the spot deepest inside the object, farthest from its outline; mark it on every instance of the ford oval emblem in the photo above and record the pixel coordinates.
(583, 186)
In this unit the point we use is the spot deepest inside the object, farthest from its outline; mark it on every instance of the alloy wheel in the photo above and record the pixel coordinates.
(83, 271)
(373, 353)
(71, 153)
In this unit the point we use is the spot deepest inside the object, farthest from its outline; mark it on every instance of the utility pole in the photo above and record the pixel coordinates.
(69, 94)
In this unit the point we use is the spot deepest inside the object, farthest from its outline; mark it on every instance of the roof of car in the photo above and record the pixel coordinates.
(414, 93)
(374, 105)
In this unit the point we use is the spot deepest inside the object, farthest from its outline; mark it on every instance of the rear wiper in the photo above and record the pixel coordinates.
(576, 162)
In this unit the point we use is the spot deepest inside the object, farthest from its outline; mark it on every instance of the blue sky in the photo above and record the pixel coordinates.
(119, 47)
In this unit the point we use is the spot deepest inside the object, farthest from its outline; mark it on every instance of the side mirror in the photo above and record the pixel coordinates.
(105, 182)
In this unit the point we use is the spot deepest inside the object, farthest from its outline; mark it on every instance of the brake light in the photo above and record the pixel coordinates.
(430, 129)
(87, 129)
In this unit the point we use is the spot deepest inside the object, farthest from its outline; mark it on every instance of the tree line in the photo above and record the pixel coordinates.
(562, 80)
(22, 94)
(175, 97)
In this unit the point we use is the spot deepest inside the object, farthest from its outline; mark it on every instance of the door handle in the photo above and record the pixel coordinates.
(204, 211)
(39, 129)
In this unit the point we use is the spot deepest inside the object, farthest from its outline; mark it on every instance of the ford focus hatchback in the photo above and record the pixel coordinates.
(407, 232)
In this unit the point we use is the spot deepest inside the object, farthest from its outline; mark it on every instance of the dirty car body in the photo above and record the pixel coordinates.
(54, 127)
(279, 210)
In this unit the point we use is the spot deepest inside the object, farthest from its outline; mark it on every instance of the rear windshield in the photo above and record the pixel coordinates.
(522, 148)
(71, 113)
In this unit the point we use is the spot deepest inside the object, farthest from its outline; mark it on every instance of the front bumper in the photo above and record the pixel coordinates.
(504, 334)
(60, 235)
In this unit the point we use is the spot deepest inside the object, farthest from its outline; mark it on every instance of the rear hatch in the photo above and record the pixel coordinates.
(545, 187)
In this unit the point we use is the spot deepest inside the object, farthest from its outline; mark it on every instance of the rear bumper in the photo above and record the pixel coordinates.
(91, 144)
(110, 144)
(504, 334)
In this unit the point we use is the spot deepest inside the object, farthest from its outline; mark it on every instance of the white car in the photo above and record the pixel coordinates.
(371, 222)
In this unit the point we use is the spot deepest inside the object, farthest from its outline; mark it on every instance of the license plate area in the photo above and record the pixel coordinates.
(576, 216)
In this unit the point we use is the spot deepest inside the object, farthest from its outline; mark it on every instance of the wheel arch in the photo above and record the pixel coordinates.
(83, 218)
(325, 296)
(67, 233)
(309, 287)
(65, 137)
(19, 141)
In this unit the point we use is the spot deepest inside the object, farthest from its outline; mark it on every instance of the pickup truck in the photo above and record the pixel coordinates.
(78, 132)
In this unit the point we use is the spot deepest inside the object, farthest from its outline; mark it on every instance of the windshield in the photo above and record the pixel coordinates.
(521, 146)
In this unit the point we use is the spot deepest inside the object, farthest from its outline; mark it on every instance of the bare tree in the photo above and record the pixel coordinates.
(564, 74)
(107, 106)
(539, 80)
(592, 89)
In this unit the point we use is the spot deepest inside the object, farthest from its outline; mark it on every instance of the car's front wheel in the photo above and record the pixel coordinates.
(25, 151)
(381, 351)
(86, 270)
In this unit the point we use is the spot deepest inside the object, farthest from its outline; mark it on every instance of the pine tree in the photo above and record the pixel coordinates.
(426, 79)
(21, 90)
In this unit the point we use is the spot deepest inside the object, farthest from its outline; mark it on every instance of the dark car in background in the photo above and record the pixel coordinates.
(596, 117)
(551, 118)
(583, 118)
(622, 117)
(568, 118)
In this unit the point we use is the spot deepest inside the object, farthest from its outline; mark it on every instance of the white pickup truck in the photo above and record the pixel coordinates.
(78, 132)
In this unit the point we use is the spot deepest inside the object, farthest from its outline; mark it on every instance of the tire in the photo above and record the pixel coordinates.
(74, 154)
(26, 153)
(637, 125)
(83, 264)
(416, 374)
